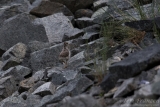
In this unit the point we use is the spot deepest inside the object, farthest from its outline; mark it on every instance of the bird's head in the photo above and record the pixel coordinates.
(66, 45)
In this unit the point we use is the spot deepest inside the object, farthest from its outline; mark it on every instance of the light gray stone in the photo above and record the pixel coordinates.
(56, 26)
(45, 89)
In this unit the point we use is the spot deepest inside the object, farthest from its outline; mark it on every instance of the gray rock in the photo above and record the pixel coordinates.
(47, 8)
(84, 69)
(47, 57)
(7, 12)
(134, 64)
(4, 89)
(45, 89)
(10, 63)
(127, 87)
(100, 3)
(75, 4)
(19, 33)
(37, 45)
(83, 13)
(145, 92)
(90, 36)
(84, 22)
(11, 2)
(17, 51)
(23, 100)
(60, 76)
(80, 101)
(75, 33)
(35, 86)
(23, 71)
(143, 25)
(77, 60)
(14, 73)
(56, 26)
(72, 88)
(93, 28)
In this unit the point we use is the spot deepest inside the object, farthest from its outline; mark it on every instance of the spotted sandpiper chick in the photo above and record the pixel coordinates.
(65, 54)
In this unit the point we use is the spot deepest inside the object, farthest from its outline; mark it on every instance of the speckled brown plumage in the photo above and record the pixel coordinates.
(65, 54)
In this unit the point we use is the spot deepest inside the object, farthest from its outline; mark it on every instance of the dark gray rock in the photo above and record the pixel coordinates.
(75, 33)
(157, 22)
(37, 45)
(7, 12)
(10, 63)
(100, 3)
(84, 22)
(14, 73)
(80, 101)
(59, 76)
(8, 85)
(127, 87)
(143, 25)
(56, 26)
(77, 60)
(84, 69)
(18, 72)
(47, 8)
(17, 51)
(13, 32)
(93, 28)
(23, 71)
(90, 36)
(72, 88)
(75, 4)
(132, 65)
(45, 89)
(47, 57)
(83, 13)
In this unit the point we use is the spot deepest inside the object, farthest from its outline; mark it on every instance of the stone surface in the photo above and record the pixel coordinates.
(45, 89)
(13, 32)
(18, 51)
(127, 87)
(83, 13)
(47, 57)
(4, 89)
(84, 22)
(56, 26)
(75, 4)
(134, 64)
(143, 25)
(47, 8)
(90, 36)
(14, 73)
(10, 11)
(10, 63)
(37, 45)
(80, 101)
(77, 60)
(72, 88)
(75, 33)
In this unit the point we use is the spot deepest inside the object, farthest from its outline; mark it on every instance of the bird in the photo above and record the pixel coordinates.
(65, 54)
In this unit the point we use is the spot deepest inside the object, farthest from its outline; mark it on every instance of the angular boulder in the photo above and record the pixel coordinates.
(72, 88)
(74, 5)
(132, 65)
(56, 26)
(47, 8)
(20, 29)
(45, 89)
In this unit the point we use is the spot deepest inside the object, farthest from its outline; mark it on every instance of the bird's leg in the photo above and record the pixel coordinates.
(65, 64)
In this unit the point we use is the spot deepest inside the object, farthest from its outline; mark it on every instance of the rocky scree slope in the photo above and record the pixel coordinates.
(32, 33)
